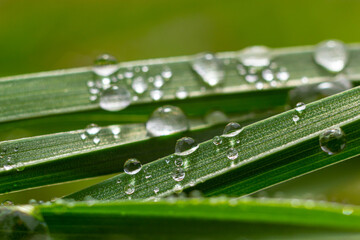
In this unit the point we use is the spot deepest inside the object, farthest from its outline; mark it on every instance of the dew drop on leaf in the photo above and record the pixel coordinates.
(332, 141)
(132, 166)
(332, 55)
(185, 146)
(105, 65)
(115, 98)
(209, 68)
(232, 129)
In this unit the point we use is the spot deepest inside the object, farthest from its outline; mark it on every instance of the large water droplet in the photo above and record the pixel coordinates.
(105, 65)
(92, 129)
(232, 154)
(332, 55)
(166, 120)
(332, 141)
(139, 85)
(132, 166)
(115, 98)
(185, 146)
(232, 129)
(257, 56)
(178, 174)
(209, 68)
(215, 117)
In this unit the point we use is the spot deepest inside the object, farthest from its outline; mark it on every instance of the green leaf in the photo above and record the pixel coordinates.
(270, 151)
(206, 218)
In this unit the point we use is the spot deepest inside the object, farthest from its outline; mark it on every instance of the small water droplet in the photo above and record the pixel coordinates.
(256, 56)
(115, 98)
(217, 140)
(209, 68)
(132, 166)
(105, 83)
(283, 74)
(347, 211)
(156, 190)
(295, 118)
(232, 129)
(156, 94)
(268, 75)
(115, 130)
(232, 154)
(105, 65)
(185, 146)
(192, 183)
(181, 93)
(20, 166)
(158, 81)
(167, 161)
(129, 189)
(251, 78)
(332, 55)
(216, 117)
(90, 84)
(300, 107)
(83, 136)
(129, 73)
(96, 140)
(166, 72)
(259, 85)
(166, 120)
(178, 162)
(118, 181)
(94, 90)
(332, 141)
(144, 69)
(93, 98)
(178, 174)
(92, 129)
(139, 85)
(178, 188)
(16, 149)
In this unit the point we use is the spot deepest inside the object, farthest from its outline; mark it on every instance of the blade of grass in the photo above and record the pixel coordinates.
(206, 218)
(269, 152)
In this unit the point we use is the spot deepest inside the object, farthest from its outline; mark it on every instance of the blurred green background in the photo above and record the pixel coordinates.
(42, 35)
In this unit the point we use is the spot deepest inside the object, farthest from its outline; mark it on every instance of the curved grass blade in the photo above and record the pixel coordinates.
(212, 218)
(269, 152)
(54, 158)
(67, 91)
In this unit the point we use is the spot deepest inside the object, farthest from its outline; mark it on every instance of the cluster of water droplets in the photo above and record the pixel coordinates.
(9, 160)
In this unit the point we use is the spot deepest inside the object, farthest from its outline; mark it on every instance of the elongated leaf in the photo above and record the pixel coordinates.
(212, 218)
(54, 158)
(67, 91)
(270, 151)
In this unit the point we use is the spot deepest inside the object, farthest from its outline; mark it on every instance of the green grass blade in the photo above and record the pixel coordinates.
(207, 218)
(66, 91)
(270, 151)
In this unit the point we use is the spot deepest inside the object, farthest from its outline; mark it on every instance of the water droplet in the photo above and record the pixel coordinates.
(93, 98)
(332, 55)
(96, 140)
(144, 69)
(256, 56)
(283, 74)
(156, 94)
(158, 81)
(232, 154)
(347, 211)
(181, 93)
(268, 75)
(129, 74)
(241, 69)
(105, 82)
(115, 98)
(156, 190)
(92, 129)
(115, 130)
(139, 85)
(20, 166)
(300, 107)
(83, 136)
(129, 189)
(167, 161)
(332, 141)
(195, 194)
(216, 117)
(217, 140)
(178, 162)
(251, 78)
(118, 181)
(166, 72)
(209, 68)
(132, 166)
(259, 85)
(166, 120)
(90, 84)
(295, 118)
(178, 174)
(105, 65)
(8, 167)
(7, 203)
(185, 146)
(94, 90)
(178, 188)
(16, 149)
(232, 129)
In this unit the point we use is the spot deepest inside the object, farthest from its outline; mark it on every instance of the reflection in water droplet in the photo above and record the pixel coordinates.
(300, 107)
(115, 98)
(129, 189)
(178, 162)
(185, 146)
(166, 120)
(139, 85)
(178, 174)
(256, 56)
(105, 65)
(209, 68)
(232, 129)
(332, 141)
(132, 166)
(181, 93)
(232, 154)
(332, 55)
